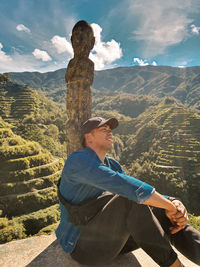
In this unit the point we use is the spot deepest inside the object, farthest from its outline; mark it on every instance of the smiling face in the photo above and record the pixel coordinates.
(100, 138)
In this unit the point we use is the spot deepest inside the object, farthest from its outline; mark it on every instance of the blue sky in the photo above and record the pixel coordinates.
(35, 34)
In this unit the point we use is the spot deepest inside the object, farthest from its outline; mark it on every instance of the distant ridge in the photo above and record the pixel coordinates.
(156, 81)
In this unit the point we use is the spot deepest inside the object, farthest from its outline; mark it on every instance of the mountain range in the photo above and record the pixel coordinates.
(156, 81)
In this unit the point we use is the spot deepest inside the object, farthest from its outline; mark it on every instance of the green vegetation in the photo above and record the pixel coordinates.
(33, 116)
(41, 221)
(28, 193)
(157, 141)
(194, 221)
(165, 151)
(24, 175)
(161, 146)
(155, 81)
(36, 221)
(48, 229)
(128, 105)
(10, 230)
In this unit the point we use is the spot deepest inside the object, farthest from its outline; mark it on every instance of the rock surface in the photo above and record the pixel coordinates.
(45, 251)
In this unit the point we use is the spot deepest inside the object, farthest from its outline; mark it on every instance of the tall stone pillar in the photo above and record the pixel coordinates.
(79, 77)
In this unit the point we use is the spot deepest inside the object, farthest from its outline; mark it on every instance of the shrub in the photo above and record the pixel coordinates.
(19, 151)
(3, 222)
(27, 162)
(22, 175)
(5, 132)
(12, 231)
(48, 229)
(27, 186)
(17, 140)
(29, 202)
(40, 159)
(194, 221)
(38, 220)
(13, 164)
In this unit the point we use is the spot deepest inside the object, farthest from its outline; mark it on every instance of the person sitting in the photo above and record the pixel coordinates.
(105, 212)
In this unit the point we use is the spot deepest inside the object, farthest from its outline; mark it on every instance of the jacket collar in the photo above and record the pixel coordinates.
(94, 154)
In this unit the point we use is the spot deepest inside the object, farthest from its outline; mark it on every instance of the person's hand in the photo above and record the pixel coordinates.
(170, 214)
(179, 219)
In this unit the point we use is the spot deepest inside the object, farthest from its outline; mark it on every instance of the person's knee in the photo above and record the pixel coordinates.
(131, 205)
(122, 202)
(140, 207)
(140, 213)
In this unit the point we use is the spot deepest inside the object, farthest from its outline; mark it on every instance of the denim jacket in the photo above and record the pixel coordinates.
(84, 176)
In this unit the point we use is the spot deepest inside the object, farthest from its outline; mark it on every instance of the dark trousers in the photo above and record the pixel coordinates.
(122, 226)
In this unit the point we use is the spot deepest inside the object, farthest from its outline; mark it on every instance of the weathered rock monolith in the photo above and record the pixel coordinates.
(79, 77)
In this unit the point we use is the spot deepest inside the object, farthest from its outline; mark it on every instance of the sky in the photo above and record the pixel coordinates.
(35, 34)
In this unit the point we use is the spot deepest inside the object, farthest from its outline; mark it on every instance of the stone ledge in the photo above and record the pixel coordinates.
(46, 252)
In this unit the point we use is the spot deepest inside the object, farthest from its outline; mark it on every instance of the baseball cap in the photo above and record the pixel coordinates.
(96, 122)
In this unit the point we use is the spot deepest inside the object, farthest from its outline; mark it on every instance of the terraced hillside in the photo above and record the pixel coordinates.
(33, 116)
(16, 101)
(28, 174)
(166, 152)
(156, 81)
(179, 153)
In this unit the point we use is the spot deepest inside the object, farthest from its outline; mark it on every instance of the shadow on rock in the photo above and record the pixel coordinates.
(53, 256)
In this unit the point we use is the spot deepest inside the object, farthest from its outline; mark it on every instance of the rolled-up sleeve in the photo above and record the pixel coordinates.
(80, 169)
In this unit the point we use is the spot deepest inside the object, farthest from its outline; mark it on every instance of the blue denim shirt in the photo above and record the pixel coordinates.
(84, 176)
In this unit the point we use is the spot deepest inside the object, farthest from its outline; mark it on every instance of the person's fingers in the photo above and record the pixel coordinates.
(181, 209)
(178, 225)
(182, 220)
(170, 216)
(181, 225)
(180, 217)
(179, 205)
(176, 229)
(177, 202)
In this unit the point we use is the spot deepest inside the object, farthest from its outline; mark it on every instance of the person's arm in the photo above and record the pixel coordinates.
(180, 219)
(82, 168)
(157, 200)
(174, 210)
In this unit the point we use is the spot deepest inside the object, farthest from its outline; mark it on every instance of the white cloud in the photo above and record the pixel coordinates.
(143, 62)
(62, 45)
(21, 27)
(3, 57)
(160, 23)
(182, 62)
(43, 55)
(104, 53)
(97, 32)
(98, 61)
(140, 62)
(195, 29)
(27, 62)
